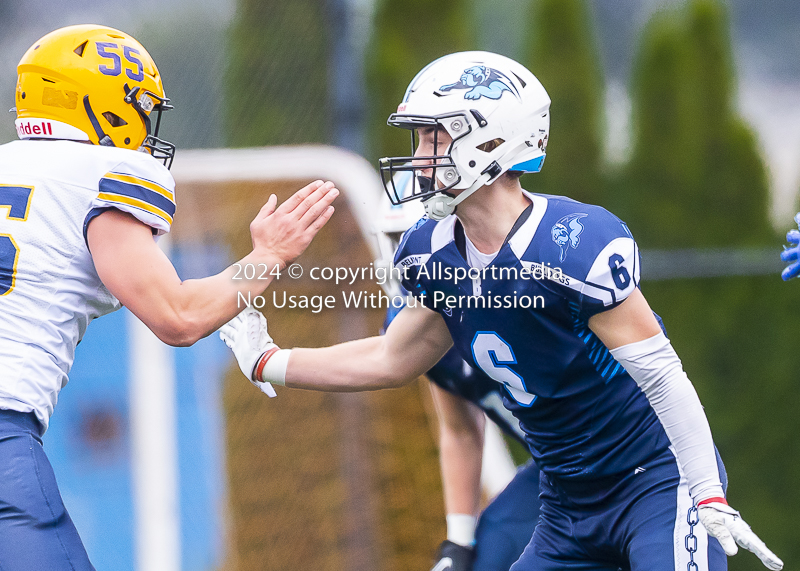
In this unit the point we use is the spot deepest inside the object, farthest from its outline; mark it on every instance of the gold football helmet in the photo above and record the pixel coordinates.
(92, 83)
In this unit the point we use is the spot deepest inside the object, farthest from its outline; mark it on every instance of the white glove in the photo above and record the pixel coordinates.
(246, 335)
(725, 523)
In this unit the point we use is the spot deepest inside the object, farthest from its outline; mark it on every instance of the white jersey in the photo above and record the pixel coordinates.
(49, 289)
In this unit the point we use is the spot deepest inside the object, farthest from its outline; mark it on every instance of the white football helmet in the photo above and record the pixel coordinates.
(495, 110)
(392, 221)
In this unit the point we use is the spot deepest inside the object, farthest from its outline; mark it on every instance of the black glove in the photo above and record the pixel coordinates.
(453, 557)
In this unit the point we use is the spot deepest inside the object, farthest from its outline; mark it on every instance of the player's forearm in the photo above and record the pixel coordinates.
(361, 365)
(461, 433)
(181, 312)
(460, 455)
(657, 370)
(140, 275)
(195, 308)
(413, 343)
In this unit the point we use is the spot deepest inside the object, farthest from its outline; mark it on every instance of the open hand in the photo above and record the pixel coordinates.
(282, 233)
(725, 523)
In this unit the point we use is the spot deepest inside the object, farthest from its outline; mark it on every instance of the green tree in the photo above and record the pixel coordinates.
(564, 56)
(277, 73)
(408, 35)
(696, 180)
(695, 173)
(662, 176)
(733, 189)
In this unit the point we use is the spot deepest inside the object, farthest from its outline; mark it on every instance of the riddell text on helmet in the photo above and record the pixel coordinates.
(35, 127)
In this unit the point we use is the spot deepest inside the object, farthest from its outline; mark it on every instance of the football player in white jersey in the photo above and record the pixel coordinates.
(83, 194)
(547, 305)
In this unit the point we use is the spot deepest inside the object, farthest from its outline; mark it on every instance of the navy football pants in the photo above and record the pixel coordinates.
(506, 525)
(36, 532)
(636, 523)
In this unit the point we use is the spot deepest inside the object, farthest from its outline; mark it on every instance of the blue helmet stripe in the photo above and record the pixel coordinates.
(533, 165)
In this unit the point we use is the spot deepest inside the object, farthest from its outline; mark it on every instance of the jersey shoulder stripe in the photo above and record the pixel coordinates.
(112, 189)
(143, 182)
(141, 187)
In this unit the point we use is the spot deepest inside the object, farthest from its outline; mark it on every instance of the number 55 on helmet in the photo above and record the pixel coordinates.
(92, 83)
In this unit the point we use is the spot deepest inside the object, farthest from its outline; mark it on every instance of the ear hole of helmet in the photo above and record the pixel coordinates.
(81, 48)
(489, 146)
(114, 120)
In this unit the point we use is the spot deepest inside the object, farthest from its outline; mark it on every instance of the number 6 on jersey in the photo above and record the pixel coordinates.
(493, 355)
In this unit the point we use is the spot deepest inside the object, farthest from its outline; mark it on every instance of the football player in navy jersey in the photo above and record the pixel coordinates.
(463, 395)
(541, 293)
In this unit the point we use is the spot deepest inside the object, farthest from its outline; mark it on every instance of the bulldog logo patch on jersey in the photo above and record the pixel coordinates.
(567, 232)
(482, 81)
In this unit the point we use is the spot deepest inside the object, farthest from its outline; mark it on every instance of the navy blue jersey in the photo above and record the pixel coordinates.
(457, 377)
(523, 321)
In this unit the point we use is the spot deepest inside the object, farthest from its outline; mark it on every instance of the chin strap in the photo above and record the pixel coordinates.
(102, 138)
(440, 205)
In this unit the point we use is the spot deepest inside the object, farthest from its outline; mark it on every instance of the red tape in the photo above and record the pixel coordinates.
(263, 361)
(713, 500)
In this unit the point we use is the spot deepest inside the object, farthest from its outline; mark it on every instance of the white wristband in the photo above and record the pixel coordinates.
(461, 529)
(274, 370)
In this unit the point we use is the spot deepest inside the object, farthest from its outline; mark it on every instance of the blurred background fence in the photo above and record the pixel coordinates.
(682, 117)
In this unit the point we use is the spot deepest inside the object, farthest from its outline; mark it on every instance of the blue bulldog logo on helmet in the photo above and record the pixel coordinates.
(482, 81)
(567, 232)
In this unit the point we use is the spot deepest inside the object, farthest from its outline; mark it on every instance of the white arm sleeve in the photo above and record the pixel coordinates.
(657, 370)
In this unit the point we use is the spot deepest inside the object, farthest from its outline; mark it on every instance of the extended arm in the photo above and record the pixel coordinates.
(137, 272)
(632, 334)
(413, 343)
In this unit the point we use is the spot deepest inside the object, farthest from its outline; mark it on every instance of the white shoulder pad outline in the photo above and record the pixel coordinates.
(600, 283)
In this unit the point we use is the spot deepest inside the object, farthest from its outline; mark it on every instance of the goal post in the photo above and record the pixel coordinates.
(353, 175)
